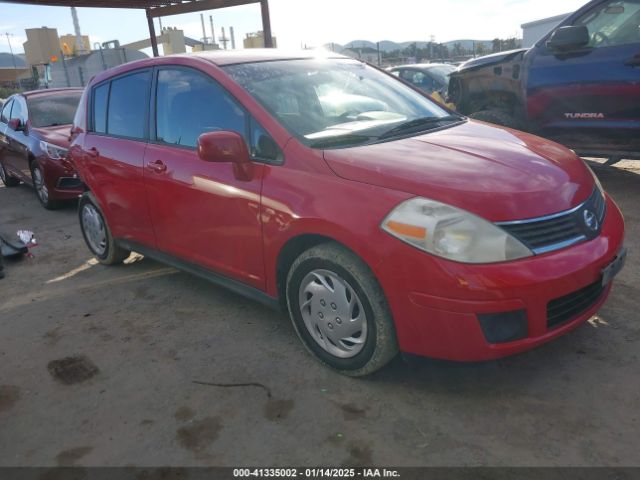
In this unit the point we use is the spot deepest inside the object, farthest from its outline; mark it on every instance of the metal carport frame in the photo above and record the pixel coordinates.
(161, 8)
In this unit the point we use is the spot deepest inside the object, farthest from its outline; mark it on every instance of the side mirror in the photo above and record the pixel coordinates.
(569, 38)
(224, 146)
(16, 125)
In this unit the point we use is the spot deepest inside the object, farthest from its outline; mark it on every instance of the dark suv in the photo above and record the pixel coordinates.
(579, 85)
(34, 141)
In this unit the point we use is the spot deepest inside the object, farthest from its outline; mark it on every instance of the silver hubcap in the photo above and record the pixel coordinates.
(333, 313)
(41, 188)
(94, 229)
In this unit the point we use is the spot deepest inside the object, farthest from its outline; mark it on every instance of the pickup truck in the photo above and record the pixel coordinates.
(579, 85)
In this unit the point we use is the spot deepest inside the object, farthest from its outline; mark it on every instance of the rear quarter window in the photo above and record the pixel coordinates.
(100, 99)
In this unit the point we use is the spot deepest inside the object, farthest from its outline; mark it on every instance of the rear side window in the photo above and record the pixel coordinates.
(100, 99)
(190, 103)
(53, 110)
(127, 106)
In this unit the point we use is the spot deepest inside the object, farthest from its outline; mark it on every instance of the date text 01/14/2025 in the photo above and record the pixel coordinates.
(315, 473)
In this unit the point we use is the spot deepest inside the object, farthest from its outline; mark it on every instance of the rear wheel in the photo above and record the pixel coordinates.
(339, 311)
(42, 191)
(497, 117)
(7, 179)
(97, 235)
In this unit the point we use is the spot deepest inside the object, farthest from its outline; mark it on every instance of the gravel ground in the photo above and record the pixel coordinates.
(100, 366)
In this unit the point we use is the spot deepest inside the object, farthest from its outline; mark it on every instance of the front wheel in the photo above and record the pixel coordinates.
(339, 310)
(96, 233)
(42, 191)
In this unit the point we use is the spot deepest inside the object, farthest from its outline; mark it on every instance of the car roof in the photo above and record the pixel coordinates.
(252, 55)
(219, 58)
(424, 65)
(50, 91)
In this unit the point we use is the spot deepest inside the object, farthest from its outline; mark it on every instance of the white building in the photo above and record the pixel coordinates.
(534, 31)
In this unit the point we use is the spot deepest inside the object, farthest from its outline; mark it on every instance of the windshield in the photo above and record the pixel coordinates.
(441, 73)
(52, 110)
(345, 101)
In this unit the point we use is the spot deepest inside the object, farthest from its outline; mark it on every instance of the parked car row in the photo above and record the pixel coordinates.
(378, 218)
(34, 141)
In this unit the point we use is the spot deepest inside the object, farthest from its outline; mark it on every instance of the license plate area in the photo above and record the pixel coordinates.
(614, 267)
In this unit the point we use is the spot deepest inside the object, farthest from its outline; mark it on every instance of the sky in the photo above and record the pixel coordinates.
(299, 23)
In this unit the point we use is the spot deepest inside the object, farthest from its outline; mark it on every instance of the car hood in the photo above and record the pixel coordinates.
(58, 135)
(496, 173)
(491, 59)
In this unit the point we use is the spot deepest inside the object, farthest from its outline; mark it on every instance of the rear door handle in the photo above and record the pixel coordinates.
(633, 61)
(158, 166)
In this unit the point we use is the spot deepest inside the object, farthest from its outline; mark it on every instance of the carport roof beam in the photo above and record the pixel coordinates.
(161, 8)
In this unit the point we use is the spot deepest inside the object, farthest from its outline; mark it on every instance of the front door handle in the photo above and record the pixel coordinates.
(93, 152)
(158, 166)
(633, 61)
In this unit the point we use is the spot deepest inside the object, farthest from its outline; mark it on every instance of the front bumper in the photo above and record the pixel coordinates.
(436, 302)
(61, 179)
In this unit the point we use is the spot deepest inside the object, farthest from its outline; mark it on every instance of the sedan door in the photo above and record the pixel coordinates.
(5, 114)
(113, 153)
(17, 142)
(202, 212)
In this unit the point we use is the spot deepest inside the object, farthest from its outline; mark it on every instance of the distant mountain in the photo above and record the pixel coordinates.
(388, 45)
(7, 61)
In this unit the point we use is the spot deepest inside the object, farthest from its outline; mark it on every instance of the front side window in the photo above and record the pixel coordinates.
(190, 103)
(613, 23)
(53, 110)
(127, 110)
(336, 102)
(6, 112)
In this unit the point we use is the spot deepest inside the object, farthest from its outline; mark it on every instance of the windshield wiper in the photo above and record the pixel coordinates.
(418, 124)
(341, 141)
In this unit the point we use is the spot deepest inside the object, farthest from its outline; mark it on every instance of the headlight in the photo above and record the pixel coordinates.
(53, 151)
(452, 233)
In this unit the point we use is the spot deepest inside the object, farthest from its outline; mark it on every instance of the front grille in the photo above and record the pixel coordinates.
(570, 306)
(553, 232)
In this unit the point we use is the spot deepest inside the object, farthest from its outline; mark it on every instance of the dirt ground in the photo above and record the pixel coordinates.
(100, 366)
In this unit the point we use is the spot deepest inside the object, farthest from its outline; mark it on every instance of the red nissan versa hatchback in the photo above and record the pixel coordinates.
(34, 138)
(382, 221)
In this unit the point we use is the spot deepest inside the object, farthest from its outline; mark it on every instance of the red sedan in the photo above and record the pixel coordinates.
(378, 218)
(34, 140)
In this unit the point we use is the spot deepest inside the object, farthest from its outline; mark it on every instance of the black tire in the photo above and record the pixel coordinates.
(112, 254)
(380, 344)
(42, 193)
(7, 179)
(497, 117)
